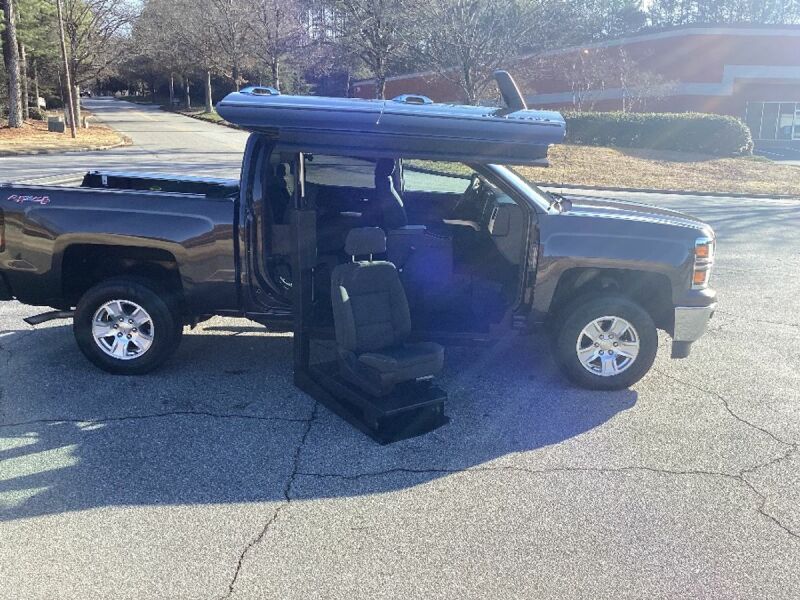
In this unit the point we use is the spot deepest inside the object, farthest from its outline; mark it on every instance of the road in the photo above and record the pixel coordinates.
(786, 155)
(162, 141)
(215, 477)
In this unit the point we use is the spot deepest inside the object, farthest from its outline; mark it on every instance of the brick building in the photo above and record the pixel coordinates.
(752, 72)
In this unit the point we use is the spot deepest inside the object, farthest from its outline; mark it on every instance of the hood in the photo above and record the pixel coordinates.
(586, 206)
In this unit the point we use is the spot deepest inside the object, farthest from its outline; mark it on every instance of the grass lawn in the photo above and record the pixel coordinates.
(665, 170)
(656, 169)
(35, 137)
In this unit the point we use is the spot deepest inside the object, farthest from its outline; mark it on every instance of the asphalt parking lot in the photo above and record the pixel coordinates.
(215, 477)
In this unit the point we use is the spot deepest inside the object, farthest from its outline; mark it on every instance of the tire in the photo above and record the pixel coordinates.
(612, 356)
(149, 316)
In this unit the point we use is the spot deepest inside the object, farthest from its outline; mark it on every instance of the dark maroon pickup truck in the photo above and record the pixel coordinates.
(133, 258)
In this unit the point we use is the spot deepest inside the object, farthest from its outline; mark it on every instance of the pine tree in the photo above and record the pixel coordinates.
(11, 59)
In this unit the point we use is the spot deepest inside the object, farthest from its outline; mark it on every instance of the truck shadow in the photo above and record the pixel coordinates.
(222, 423)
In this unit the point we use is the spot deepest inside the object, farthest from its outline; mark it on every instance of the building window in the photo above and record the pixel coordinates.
(773, 120)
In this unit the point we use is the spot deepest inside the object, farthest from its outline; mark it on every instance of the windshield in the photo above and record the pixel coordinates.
(541, 198)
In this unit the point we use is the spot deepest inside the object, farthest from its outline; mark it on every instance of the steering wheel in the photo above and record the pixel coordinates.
(468, 199)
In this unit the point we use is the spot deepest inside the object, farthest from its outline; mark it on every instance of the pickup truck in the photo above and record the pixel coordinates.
(133, 258)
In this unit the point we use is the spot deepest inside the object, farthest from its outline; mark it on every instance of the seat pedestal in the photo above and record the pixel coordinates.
(412, 409)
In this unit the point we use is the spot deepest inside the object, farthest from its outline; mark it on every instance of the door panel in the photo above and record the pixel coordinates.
(426, 208)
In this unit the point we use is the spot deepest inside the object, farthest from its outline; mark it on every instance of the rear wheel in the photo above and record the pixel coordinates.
(126, 327)
(606, 343)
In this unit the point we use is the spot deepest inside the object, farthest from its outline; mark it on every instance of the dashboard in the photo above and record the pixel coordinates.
(487, 210)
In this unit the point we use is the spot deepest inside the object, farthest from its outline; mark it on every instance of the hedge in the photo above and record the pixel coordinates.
(53, 102)
(37, 114)
(686, 132)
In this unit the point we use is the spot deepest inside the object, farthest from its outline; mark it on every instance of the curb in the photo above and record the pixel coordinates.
(223, 123)
(126, 141)
(671, 192)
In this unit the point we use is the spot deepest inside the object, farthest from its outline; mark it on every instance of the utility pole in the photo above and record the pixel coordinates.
(35, 84)
(71, 104)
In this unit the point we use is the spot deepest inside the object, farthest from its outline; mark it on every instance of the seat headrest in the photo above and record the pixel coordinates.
(365, 240)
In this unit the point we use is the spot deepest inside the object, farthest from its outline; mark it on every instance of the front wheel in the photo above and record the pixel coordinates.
(607, 343)
(125, 327)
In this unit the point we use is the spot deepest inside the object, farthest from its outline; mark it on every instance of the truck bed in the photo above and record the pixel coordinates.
(51, 236)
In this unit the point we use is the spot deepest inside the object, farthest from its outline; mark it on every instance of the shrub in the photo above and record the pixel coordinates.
(37, 114)
(53, 102)
(686, 132)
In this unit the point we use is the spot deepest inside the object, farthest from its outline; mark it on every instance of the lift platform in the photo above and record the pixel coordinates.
(412, 409)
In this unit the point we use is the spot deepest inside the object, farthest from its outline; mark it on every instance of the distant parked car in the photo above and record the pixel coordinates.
(86, 94)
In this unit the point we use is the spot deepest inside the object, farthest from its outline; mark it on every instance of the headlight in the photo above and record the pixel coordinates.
(703, 259)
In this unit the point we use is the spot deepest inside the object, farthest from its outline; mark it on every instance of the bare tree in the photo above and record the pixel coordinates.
(465, 41)
(94, 30)
(279, 32)
(373, 31)
(589, 73)
(228, 20)
(11, 60)
(170, 39)
(637, 85)
(682, 12)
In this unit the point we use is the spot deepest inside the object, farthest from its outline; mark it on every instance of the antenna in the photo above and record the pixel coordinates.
(510, 92)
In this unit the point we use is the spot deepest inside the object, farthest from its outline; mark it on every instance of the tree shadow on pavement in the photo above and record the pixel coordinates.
(223, 423)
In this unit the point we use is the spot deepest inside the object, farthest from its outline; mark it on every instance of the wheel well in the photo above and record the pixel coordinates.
(85, 265)
(652, 291)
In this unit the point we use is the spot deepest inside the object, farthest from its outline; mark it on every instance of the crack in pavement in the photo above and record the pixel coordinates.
(739, 478)
(174, 413)
(287, 494)
(728, 408)
(789, 449)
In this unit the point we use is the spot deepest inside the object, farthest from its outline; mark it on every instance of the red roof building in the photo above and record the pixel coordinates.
(751, 72)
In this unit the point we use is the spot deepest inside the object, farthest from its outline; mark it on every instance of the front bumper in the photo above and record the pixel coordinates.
(690, 325)
(5, 289)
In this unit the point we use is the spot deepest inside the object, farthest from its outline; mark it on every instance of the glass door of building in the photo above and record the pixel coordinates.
(779, 121)
(796, 129)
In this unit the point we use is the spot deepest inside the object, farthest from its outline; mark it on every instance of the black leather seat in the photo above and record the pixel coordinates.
(278, 193)
(373, 322)
(386, 209)
(424, 259)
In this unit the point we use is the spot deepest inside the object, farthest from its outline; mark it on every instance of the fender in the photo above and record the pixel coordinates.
(569, 242)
